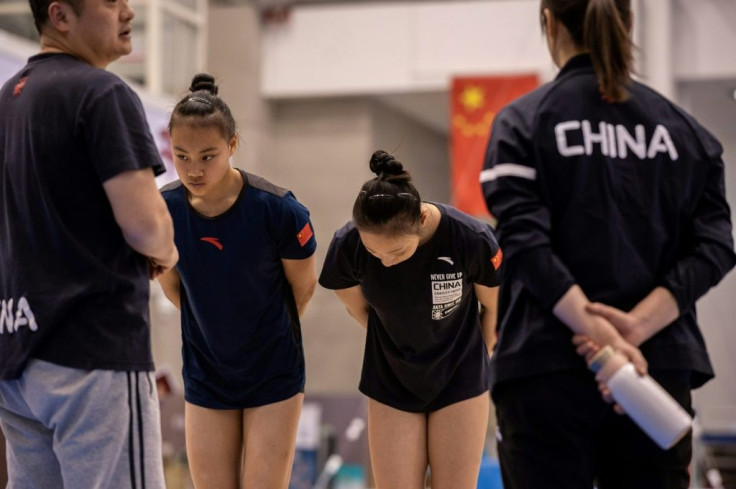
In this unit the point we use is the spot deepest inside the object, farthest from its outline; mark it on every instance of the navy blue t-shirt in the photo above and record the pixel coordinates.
(241, 334)
(424, 348)
(72, 292)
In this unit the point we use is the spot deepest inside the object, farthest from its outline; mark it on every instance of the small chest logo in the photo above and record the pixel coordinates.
(447, 293)
(19, 86)
(213, 241)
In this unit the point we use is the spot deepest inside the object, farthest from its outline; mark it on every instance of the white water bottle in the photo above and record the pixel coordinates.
(644, 400)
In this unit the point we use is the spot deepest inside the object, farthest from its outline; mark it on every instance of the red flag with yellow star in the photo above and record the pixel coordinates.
(475, 101)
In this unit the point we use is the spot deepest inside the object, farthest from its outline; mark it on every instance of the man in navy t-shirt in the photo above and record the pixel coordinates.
(82, 228)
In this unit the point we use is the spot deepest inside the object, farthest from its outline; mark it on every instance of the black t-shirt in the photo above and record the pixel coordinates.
(72, 291)
(424, 349)
(618, 198)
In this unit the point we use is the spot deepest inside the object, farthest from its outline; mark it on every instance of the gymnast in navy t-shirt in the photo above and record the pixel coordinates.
(245, 274)
(413, 273)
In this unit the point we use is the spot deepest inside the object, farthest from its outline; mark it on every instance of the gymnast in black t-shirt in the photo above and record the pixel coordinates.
(413, 273)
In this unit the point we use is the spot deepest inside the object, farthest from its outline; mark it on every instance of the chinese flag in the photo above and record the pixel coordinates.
(475, 101)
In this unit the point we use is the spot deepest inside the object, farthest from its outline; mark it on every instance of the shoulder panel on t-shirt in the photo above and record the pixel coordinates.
(171, 186)
(261, 183)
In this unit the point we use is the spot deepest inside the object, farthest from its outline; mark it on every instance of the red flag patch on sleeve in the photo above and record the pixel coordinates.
(497, 259)
(304, 235)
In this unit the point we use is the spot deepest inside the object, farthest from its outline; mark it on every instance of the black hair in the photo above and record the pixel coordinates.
(388, 204)
(40, 10)
(602, 28)
(202, 107)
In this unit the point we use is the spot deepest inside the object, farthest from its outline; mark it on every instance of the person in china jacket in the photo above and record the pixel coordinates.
(613, 219)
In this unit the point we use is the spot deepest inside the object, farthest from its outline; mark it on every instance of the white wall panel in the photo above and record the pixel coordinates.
(398, 47)
(704, 44)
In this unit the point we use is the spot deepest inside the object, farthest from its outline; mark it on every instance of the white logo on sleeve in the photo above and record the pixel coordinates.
(12, 319)
(447, 293)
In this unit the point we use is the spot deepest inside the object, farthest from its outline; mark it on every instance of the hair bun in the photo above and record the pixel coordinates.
(205, 82)
(382, 163)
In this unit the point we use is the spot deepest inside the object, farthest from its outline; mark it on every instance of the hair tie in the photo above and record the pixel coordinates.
(200, 100)
(400, 195)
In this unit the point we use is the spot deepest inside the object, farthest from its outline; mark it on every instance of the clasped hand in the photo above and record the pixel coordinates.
(618, 329)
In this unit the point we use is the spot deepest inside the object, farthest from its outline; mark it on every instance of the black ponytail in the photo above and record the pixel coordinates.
(601, 27)
(606, 36)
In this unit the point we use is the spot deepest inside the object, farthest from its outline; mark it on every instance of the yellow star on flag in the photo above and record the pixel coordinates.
(473, 98)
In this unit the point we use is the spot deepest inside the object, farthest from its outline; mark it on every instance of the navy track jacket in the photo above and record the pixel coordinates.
(618, 198)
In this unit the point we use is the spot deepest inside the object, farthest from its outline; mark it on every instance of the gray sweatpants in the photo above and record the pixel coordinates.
(80, 429)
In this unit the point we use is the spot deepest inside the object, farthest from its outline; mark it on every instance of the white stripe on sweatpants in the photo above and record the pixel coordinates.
(81, 429)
